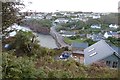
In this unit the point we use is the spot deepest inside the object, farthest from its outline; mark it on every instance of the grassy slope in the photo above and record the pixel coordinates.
(69, 41)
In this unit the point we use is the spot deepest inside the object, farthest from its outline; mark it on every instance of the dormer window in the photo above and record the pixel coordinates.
(91, 49)
(93, 54)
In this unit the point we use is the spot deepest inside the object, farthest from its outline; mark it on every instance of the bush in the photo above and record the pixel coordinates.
(21, 67)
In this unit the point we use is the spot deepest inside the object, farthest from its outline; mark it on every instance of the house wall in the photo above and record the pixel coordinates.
(106, 35)
(112, 58)
(79, 56)
(74, 49)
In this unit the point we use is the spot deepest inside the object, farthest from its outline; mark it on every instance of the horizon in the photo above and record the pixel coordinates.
(71, 5)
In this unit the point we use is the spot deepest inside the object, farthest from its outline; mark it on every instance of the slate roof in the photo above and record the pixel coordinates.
(109, 33)
(117, 49)
(79, 45)
(97, 37)
(98, 51)
(112, 33)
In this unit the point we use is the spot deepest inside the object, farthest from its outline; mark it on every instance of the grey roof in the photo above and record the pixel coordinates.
(98, 51)
(117, 49)
(114, 33)
(79, 45)
(109, 33)
(97, 37)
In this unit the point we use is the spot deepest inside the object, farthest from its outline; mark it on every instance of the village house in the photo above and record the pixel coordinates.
(97, 37)
(68, 34)
(110, 34)
(53, 15)
(113, 26)
(34, 16)
(89, 36)
(49, 17)
(96, 16)
(95, 26)
(62, 31)
(115, 35)
(15, 28)
(107, 34)
(78, 51)
(61, 20)
(103, 54)
(82, 35)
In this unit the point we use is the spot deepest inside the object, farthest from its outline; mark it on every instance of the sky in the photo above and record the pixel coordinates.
(72, 5)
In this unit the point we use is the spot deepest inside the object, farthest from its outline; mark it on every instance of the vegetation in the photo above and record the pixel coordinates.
(46, 67)
(72, 39)
(25, 59)
(76, 24)
(111, 18)
(24, 43)
(37, 23)
(90, 41)
(104, 21)
(10, 12)
(17, 67)
(42, 64)
(93, 21)
(115, 41)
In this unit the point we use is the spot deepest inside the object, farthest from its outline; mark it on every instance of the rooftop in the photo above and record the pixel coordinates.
(98, 51)
(79, 45)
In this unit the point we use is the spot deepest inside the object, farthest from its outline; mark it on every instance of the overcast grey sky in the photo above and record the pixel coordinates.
(72, 5)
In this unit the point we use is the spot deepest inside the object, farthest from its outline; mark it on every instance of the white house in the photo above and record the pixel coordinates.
(62, 31)
(89, 36)
(48, 17)
(96, 26)
(107, 34)
(61, 20)
(16, 28)
(96, 16)
(68, 34)
(110, 34)
(113, 26)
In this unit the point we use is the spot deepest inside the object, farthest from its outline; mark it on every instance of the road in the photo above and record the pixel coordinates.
(58, 37)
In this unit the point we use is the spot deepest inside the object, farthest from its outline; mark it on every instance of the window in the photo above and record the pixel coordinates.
(115, 64)
(108, 63)
(91, 49)
(93, 54)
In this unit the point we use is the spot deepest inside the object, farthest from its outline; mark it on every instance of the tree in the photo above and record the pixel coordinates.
(10, 12)
(80, 24)
(114, 41)
(89, 41)
(17, 67)
(37, 23)
(111, 18)
(25, 43)
(93, 21)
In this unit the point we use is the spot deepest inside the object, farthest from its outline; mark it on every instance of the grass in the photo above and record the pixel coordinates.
(69, 41)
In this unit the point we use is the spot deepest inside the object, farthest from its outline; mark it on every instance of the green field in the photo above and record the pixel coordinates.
(69, 41)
